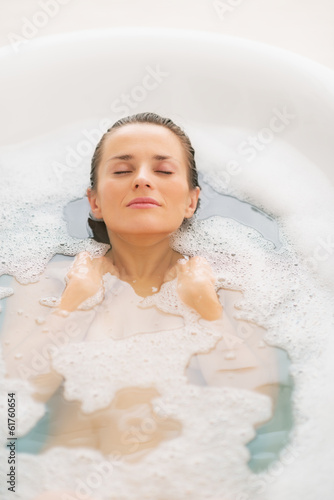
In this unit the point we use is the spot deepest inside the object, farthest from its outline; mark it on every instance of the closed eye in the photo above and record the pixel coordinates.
(118, 172)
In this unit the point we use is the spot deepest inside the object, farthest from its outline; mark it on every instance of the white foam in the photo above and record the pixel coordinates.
(35, 191)
(289, 293)
(5, 292)
(282, 182)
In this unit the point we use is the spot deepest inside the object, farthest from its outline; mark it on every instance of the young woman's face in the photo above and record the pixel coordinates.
(142, 182)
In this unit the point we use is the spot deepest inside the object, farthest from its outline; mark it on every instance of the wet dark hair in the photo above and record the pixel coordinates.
(98, 227)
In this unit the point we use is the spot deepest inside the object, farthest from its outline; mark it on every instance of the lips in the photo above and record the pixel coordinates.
(143, 202)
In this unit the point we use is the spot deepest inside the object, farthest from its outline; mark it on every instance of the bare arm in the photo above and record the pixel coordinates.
(30, 357)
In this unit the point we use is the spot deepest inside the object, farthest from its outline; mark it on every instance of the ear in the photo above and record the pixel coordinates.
(94, 203)
(192, 204)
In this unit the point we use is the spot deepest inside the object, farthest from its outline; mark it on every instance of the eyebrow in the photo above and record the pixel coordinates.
(131, 157)
(121, 157)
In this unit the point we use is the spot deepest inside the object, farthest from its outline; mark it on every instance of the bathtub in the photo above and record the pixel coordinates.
(261, 95)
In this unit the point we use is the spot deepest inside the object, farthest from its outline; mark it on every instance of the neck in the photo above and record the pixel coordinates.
(142, 262)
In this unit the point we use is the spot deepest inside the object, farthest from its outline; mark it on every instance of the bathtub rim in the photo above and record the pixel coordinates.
(264, 49)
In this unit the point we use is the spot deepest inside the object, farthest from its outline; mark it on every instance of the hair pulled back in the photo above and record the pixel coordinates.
(98, 227)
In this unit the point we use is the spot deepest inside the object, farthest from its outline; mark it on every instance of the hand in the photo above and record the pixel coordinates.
(195, 286)
(84, 280)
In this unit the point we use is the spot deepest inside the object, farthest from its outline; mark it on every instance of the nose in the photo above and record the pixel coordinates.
(143, 178)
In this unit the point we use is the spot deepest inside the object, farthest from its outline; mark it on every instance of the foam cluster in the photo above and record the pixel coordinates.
(39, 178)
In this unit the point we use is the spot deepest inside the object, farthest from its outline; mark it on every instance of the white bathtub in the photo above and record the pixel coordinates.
(195, 78)
(209, 79)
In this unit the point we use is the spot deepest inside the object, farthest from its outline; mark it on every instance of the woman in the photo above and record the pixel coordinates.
(143, 188)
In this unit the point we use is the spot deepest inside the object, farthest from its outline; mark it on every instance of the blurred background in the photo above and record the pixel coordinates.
(305, 27)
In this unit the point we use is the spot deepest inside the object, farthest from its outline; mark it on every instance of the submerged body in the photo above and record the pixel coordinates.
(164, 344)
(152, 323)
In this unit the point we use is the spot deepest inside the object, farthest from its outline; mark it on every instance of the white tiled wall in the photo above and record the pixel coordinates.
(302, 26)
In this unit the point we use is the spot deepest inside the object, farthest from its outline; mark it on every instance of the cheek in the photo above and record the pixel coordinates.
(179, 190)
(184, 195)
(109, 193)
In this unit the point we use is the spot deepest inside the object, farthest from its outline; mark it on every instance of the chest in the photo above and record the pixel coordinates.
(124, 313)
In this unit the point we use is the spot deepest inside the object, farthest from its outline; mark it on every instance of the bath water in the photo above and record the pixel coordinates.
(286, 287)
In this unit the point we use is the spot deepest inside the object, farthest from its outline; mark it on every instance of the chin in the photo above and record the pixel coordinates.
(144, 226)
(146, 230)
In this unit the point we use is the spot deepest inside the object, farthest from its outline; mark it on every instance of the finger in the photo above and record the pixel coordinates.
(82, 257)
(201, 267)
(85, 262)
(80, 266)
(199, 261)
(200, 264)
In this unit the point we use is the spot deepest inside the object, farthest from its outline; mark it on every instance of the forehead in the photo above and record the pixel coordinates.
(144, 138)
